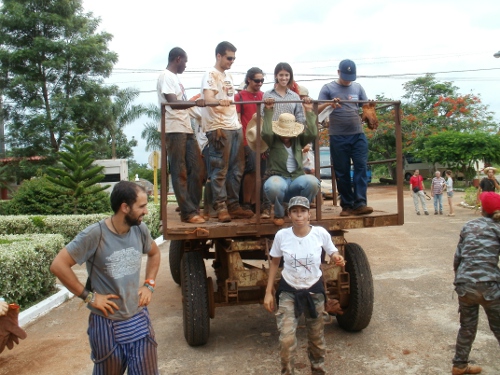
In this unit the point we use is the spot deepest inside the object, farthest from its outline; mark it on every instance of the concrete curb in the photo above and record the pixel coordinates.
(42, 308)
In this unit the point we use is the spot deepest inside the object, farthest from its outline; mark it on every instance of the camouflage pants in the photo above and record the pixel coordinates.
(287, 325)
(470, 296)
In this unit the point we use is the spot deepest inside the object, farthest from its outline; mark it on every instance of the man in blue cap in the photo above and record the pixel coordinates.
(347, 139)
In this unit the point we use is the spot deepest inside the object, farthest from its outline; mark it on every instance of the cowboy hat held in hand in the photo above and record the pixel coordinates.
(369, 115)
(251, 135)
(286, 126)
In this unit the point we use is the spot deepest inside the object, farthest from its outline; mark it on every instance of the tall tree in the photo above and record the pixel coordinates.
(55, 62)
(123, 112)
(150, 132)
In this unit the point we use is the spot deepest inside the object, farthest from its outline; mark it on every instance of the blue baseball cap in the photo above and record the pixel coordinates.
(347, 70)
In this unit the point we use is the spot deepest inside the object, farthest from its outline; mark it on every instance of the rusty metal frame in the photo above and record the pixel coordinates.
(255, 230)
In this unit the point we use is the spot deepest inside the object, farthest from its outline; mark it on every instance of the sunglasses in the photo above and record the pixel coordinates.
(258, 80)
(230, 58)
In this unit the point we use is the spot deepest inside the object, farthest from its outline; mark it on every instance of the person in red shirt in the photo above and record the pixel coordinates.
(417, 191)
(253, 83)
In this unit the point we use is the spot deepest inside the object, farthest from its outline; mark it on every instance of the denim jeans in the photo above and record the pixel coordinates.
(438, 201)
(279, 189)
(343, 149)
(187, 170)
(226, 168)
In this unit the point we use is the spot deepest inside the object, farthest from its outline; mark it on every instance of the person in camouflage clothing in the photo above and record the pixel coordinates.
(477, 279)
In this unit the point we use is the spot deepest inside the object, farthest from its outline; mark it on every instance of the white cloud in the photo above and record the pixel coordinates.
(391, 37)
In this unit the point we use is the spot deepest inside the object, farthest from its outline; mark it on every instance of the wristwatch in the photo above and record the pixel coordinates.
(150, 282)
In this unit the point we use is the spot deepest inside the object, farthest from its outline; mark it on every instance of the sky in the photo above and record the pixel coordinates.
(391, 43)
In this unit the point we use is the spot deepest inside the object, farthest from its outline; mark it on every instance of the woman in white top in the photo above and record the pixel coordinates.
(300, 289)
(449, 192)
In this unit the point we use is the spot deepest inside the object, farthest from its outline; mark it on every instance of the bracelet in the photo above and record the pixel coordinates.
(84, 294)
(149, 287)
(90, 298)
(93, 297)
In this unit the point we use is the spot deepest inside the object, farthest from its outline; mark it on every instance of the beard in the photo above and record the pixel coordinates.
(133, 221)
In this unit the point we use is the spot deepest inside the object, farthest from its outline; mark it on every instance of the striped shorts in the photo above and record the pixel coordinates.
(120, 345)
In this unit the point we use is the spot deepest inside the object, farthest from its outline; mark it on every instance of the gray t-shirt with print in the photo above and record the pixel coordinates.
(117, 264)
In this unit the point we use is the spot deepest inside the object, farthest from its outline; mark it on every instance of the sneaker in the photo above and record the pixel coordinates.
(266, 214)
(278, 221)
(195, 219)
(346, 211)
(451, 214)
(440, 212)
(435, 212)
(241, 213)
(469, 369)
(363, 210)
(426, 212)
(418, 212)
(223, 216)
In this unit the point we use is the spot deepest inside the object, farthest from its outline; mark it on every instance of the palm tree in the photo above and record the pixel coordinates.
(150, 132)
(123, 112)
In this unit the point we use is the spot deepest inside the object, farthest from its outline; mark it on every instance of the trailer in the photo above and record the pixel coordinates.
(239, 251)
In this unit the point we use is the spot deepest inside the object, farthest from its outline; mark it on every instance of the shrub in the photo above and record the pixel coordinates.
(25, 261)
(471, 196)
(39, 196)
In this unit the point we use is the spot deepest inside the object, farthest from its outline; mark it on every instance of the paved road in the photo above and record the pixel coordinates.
(412, 331)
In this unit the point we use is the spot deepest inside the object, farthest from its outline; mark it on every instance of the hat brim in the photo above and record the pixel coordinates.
(348, 77)
(487, 169)
(253, 143)
(290, 132)
(298, 205)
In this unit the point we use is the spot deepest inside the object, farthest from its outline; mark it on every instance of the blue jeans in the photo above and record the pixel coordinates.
(279, 189)
(187, 170)
(226, 168)
(438, 200)
(343, 149)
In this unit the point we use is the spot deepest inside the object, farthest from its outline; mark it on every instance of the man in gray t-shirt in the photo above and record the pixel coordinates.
(120, 332)
(347, 139)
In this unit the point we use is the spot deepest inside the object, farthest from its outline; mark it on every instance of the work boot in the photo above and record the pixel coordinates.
(440, 212)
(241, 213)
(346, 211)
(195, 219)
(418, 212)
(223, 216)
(266, 213)
(363, 210)
(469, 369)
(278, 221)
(426, 212)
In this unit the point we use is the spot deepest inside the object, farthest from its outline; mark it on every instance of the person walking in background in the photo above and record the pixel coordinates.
(437, 186)
(184, 156)
(300, 289)
(417, 190)
(120, 331)
(449, 192)
(225, 136)
(347, 139)
(477, 279)
(253, 83)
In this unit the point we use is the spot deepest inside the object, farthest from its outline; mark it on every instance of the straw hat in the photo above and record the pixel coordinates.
(286, 126)
(488, 168)
(251, 135)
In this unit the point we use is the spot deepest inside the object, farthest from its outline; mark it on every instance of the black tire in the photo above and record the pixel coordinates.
(196, 314)
(358, 314)
(174, 256)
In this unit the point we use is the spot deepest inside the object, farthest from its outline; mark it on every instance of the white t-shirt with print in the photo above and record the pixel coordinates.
(176, 120)
(302, 255)
(219, 117)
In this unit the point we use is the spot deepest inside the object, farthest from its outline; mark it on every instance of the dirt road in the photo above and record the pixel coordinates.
(413, 328)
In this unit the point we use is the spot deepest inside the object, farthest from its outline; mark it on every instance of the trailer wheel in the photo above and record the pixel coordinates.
(174, 256)
(358, 313)
(196, 316)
